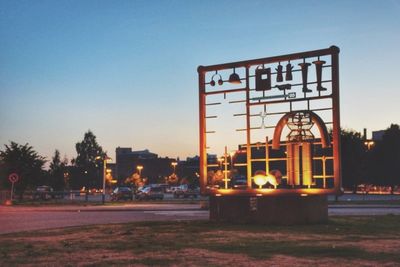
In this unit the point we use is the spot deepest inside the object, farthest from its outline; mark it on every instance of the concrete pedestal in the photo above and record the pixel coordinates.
(283, 210)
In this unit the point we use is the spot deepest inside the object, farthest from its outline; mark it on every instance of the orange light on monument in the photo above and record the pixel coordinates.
(260, 180)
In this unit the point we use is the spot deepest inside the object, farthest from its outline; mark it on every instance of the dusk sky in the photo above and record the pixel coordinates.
(127, 70)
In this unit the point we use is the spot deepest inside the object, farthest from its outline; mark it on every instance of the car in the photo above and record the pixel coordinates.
(43, 192)
(150, 193)
(172, 189)
(121, 193)
(239, 182)
(186, 191)
(165, 187)
(140, 189)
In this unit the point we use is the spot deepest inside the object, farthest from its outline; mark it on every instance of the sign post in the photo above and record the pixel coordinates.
(13, 178)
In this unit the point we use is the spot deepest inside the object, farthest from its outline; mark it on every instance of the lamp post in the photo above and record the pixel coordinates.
(369, 144)
(139, 168)
(86, 187)
(104, 158)
(232, 154)
(173, 164)
(109, 174)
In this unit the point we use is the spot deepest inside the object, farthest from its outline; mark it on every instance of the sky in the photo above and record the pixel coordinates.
(127, 70)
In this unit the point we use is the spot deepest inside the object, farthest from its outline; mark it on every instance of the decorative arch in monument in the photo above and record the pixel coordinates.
(325, 140)
(299, 145)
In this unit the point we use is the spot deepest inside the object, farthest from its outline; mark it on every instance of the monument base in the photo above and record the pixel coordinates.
(283, 210)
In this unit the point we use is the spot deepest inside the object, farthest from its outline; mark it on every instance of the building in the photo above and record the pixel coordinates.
(153, 167)
(378, 135)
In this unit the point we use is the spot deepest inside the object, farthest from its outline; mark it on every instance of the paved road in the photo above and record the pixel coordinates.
(16, 219)
(361, 210)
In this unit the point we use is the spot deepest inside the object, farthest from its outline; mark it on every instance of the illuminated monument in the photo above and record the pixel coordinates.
(275, 124)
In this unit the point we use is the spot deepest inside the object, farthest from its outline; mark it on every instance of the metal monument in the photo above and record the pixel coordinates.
(270, 131)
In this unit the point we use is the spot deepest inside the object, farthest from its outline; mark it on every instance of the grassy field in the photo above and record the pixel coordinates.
(345, 241)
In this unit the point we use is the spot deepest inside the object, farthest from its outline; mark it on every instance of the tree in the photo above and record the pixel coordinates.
(58, 171)
(26, 162)
(134, 180)
(88, 170)
(88, 150)
(172, 179)
(353, 159)
(388, 157)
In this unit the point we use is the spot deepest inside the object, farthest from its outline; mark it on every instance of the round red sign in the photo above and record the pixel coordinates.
(13, 177)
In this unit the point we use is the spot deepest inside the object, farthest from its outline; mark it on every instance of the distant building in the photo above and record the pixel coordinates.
(378, 135)
(141, 154)
(127, 161)
(154, 168)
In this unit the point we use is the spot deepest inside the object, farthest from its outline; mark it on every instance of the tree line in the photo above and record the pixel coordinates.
(375, 163)
(62, 174)
(366, 162)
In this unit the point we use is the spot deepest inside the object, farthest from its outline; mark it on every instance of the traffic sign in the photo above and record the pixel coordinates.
(13, 177)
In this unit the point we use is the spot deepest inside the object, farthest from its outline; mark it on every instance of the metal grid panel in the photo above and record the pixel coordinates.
(260, 94)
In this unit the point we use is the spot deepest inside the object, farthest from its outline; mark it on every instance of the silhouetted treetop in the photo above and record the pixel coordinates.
(88, 150)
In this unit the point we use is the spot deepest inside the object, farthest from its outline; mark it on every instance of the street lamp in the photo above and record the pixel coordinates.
(232, 154)
(369, 144)
(139, 168)
(104, 158)
(87, 186)
(173, 164)
(109, 175)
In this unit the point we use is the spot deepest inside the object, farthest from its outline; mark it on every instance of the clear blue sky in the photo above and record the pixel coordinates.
(127, 69)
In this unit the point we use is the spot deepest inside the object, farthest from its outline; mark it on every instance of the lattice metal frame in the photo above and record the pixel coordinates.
(277, 94)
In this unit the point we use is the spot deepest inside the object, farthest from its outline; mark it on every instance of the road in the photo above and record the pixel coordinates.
(16, 219)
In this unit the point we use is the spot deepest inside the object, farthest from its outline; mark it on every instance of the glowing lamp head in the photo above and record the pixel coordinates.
(260, 180)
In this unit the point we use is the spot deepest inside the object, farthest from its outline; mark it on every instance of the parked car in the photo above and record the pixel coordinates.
(239, 182)
(172, 189)
(43, 192)
(140, 189)
(150, 193)
(121, 193)
(186, 191)
(165, 187)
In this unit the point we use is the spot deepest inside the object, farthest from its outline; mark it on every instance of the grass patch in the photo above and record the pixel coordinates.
(342, 240)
